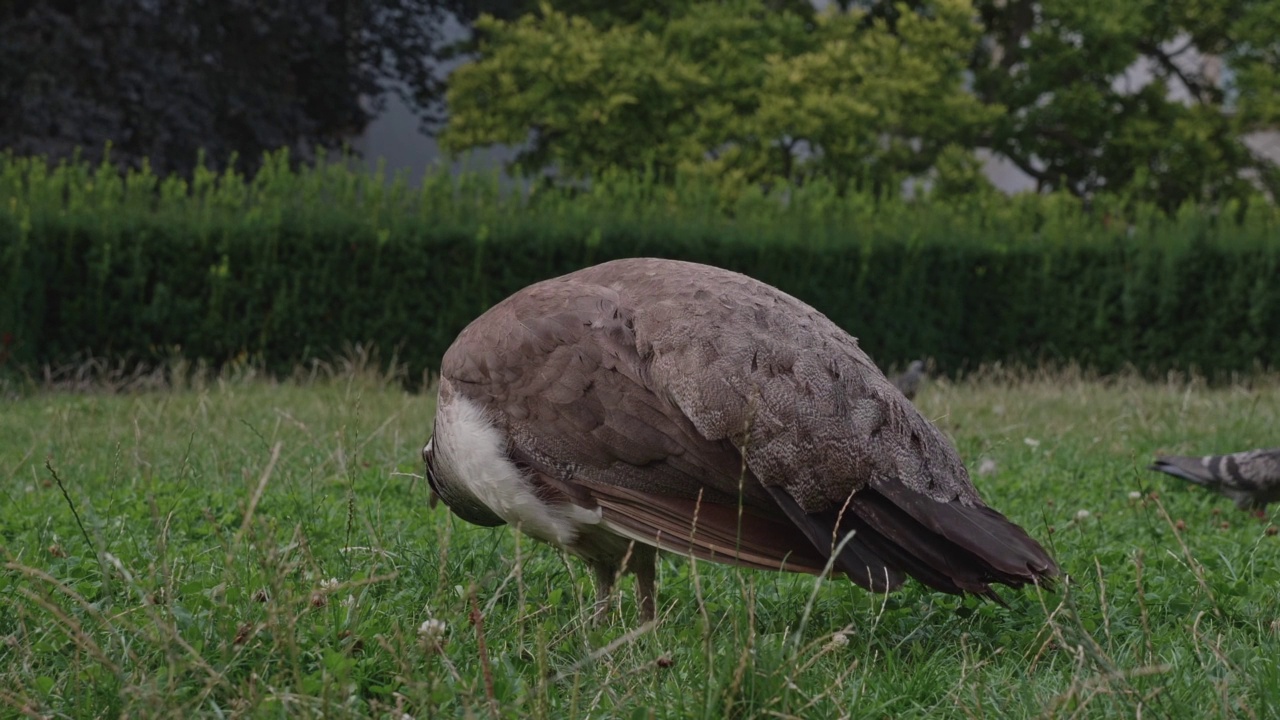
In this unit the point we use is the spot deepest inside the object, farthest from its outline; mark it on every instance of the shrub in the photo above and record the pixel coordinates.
(289, 266)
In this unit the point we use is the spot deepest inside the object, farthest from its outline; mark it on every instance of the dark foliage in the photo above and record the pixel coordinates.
(297, 265)
(168, 79)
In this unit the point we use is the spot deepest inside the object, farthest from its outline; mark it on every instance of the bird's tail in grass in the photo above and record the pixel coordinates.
(1191, 469)
(949, 546)
(955, 547)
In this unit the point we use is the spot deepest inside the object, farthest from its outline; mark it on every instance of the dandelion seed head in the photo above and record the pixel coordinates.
(432, 630)
(838, 640)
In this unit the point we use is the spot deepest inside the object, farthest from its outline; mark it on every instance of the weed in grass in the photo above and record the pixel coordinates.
(246, 547)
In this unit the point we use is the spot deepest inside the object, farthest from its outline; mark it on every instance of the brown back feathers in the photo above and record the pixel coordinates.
(702, 411)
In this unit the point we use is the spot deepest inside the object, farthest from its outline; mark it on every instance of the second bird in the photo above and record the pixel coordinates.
(1250, 478)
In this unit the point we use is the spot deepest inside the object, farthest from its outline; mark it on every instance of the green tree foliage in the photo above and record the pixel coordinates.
(168, 79)
(745, 91)
(1066, 71)
(1148, 99)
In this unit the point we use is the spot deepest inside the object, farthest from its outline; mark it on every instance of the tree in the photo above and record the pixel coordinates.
(745, 91)
(1063, 68)
(166, 79)
(1056, 77)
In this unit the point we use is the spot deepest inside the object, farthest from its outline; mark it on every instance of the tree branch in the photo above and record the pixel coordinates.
(1197, 86)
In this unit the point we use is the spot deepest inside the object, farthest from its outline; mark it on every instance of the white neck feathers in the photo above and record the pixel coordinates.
(470, 452)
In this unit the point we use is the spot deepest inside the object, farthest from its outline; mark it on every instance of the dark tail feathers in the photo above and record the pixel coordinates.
(950, 547)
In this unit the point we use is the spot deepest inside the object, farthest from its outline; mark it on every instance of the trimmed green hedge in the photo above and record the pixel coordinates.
(296, 265)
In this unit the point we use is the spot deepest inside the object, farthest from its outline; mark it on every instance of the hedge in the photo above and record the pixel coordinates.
(293, 265)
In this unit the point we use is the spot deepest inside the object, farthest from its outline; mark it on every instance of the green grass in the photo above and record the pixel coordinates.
(215, 514)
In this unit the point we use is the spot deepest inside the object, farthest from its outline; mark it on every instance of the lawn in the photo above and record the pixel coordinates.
(243, 548)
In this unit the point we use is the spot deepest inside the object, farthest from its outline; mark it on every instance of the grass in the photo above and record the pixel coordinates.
(236, 547)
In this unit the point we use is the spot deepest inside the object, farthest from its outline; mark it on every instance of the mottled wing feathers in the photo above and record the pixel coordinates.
(639, 386)
(560, 372)
(788, 387)
(1260, 467)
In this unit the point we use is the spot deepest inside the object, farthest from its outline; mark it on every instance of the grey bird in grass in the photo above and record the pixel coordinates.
(644, 404)
(909, 382)
(1250, 478)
